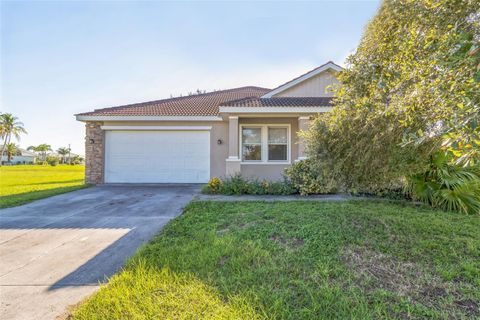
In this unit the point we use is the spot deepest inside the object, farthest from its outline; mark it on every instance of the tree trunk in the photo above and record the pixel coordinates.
(3, 148)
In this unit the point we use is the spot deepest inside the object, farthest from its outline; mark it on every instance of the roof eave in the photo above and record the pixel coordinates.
(327, 66)
(84, 118)
(275, 110)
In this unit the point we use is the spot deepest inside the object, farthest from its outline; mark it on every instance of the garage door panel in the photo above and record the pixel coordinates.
(157, 156)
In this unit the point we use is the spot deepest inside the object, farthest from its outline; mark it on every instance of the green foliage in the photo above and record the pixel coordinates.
(312, 177)
(447, 186)
(52, 160)
(412, 88)
(238, 185)
(11, 150)
(76, 159)
(42, 150)
(235, 185)
(9, 126)
(63, 152)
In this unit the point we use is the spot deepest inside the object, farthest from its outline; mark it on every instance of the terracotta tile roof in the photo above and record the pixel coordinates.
(281, 102)
(205, 104)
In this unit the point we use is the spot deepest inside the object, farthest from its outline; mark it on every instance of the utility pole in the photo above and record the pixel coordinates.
(69, 158)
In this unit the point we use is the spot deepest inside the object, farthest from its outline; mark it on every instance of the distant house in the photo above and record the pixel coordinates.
(22, 157)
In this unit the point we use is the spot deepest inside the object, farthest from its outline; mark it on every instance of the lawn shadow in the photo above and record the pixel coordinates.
(56, 182)
(17, 199)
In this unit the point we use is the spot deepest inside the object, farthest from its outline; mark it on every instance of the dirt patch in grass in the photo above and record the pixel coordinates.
(290, 243)
(246, 225)
(223, 231)
(231, 227)
(373, 270)
(223, 260)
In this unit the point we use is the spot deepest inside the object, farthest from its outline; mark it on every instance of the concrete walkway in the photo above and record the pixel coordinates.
(270, 198)
(55, 251)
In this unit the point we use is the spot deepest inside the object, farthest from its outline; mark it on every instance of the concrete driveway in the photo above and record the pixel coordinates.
(55, 251)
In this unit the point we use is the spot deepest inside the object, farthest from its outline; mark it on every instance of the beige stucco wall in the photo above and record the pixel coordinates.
(314, 87)
(219, 152)
(270, 172)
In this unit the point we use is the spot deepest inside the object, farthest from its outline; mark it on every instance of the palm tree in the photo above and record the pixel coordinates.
(9, 125)
(42, 149)
(11, 150)
(63, 152)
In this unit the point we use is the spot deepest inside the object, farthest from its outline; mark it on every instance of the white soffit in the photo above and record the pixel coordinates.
(155, 128)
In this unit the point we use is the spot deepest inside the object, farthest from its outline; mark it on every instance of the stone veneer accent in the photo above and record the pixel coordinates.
(94, 153)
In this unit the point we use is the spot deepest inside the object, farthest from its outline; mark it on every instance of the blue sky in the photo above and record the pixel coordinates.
(62, 58)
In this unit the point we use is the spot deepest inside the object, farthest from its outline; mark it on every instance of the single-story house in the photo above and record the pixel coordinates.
(247, 130)
(21, 157)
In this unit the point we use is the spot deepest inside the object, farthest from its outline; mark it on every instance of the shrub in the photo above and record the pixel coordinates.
(310, 177)
(284, 187)
(238, 185)
(447, 186)
(51, 160)
(212, 186)
(235, 185)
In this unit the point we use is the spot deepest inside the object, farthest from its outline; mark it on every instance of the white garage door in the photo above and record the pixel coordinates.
(157, 156)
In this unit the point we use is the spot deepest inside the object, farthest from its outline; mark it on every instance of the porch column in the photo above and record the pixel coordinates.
(303, 124)
(233, 160)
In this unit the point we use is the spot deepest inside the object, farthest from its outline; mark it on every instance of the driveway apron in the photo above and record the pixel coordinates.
(54, 252)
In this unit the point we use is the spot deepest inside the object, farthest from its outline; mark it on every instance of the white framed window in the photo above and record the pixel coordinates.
(252, 143)
(268, 143)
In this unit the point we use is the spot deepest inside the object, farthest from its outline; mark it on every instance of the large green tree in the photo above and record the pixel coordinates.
(63, 152)
(9, 125)
(411, 90)
(11, 150)
(42, 150)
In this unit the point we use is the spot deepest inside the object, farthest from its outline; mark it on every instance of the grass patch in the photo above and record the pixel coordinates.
(300, 260)
(24, 183)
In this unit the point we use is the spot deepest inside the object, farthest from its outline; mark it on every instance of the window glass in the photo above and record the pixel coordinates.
(277, 152)
(277, 135)
(252, 152)
(277, 144)
(252, 144)
(252, 135)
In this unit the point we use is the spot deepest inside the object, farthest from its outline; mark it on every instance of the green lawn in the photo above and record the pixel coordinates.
(24, 183)
(300, 260)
